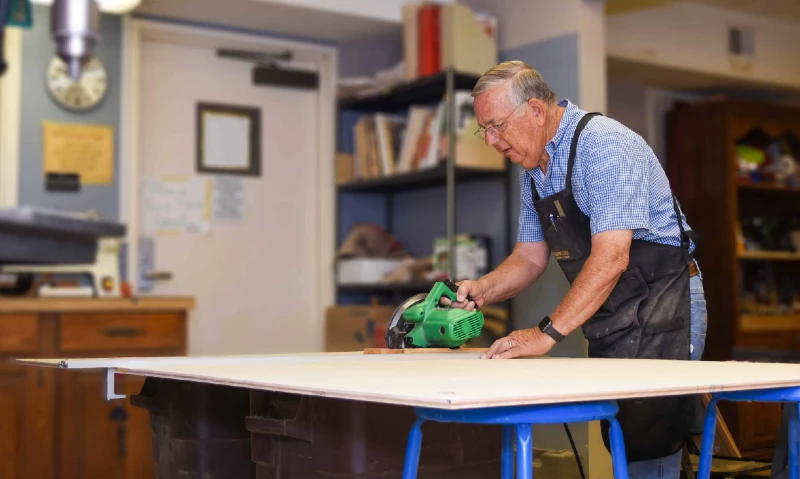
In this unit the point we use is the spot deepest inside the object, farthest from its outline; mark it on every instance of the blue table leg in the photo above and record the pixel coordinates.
(618, 456)
(707, 445)
(524, 452)
(412, 450)
(794, 440)
(507, 458)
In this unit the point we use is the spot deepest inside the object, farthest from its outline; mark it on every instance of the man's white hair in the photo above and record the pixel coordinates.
(526, 83)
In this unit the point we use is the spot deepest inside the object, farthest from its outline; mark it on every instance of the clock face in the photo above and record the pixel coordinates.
(83, 94)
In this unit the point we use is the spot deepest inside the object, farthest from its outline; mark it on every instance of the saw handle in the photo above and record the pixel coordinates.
(454, 288)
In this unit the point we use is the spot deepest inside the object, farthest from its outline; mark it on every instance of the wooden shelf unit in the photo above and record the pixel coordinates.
(769, 323)
(702, 167)
(447, 176)
(769, 255)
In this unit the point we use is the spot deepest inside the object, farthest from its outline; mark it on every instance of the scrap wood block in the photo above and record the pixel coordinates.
(423, 350)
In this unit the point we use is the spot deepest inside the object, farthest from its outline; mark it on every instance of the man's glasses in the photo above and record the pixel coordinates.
(481, 133)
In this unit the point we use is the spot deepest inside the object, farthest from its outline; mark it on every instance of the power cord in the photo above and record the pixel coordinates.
(575, 451)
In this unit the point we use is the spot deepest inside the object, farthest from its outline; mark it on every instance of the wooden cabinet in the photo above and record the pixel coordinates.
(703, 166)
(56, 423)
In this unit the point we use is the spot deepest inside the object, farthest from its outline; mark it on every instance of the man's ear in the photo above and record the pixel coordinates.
(538, 110)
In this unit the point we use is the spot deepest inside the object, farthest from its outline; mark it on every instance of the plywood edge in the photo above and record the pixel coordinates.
(423, 350)
(226, 360)
(446, 400)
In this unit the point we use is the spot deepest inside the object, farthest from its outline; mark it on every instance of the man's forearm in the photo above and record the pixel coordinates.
(591, 287)
(515, 274)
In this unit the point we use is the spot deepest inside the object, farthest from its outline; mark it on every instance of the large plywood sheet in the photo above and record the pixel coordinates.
(455, 381)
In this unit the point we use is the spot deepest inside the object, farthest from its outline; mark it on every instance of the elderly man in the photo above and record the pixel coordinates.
(594, 194)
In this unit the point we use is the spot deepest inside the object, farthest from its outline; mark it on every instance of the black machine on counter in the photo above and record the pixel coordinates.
(40, 240)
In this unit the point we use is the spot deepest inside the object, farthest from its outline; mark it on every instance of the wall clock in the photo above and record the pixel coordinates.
(80, 95)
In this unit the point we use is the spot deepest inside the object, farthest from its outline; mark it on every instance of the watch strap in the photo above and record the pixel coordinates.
(546, 326)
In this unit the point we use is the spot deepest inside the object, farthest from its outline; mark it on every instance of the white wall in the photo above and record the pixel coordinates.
(644, 110)
(695, 37)
(626, 104)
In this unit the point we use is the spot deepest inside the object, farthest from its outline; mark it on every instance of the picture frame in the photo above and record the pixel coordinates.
(228, 139)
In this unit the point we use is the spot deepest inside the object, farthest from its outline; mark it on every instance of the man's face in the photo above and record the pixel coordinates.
(518, 133)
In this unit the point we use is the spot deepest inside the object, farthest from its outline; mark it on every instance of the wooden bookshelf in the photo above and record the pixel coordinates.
(769, 255)
(769, 323)
(702, 166)
(425, 178)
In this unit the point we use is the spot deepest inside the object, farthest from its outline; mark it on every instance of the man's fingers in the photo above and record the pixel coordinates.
(509, 354)
(500, 348)
(493, 349)
(463, 291)
(445, 301)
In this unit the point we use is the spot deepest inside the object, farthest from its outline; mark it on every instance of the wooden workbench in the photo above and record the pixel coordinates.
(60, 425)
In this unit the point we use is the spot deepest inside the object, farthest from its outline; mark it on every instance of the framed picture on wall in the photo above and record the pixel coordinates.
(228, 139)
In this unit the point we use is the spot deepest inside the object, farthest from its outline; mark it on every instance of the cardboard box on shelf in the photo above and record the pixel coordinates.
(356, 327)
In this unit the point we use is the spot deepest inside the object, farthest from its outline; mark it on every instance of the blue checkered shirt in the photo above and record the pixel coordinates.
(617, 181)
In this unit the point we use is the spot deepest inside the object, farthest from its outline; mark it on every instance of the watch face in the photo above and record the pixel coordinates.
(544, 323)
(83, 94)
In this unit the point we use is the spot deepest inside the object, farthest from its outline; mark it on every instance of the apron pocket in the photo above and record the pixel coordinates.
(673, 309)
(630, 287)
(621, 308)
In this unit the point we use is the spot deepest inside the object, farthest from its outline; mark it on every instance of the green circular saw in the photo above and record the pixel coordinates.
(423, 322)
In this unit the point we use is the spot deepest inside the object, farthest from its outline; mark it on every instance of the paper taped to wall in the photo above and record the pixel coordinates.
(228, 199)
(176, 206)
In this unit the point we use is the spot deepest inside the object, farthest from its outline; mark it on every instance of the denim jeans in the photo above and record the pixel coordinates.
(669, 467)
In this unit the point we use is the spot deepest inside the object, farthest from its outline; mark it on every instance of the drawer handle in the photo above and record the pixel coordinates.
(126, 332)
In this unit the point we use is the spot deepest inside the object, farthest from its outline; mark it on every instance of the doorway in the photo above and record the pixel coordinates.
(258, 275)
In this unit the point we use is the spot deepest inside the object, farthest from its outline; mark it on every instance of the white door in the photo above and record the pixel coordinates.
(250, 278)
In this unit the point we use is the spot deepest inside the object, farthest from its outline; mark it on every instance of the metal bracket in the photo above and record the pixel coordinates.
(109, 385)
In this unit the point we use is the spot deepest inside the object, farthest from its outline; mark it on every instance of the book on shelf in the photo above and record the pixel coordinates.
(387, 145)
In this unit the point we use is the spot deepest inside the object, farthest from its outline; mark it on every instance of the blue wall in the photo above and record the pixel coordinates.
(37, 106)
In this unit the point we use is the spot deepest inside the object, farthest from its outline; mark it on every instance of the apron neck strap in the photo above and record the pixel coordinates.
(573, 148)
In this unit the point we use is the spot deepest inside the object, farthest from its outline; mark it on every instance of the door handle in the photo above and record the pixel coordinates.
(128, 332)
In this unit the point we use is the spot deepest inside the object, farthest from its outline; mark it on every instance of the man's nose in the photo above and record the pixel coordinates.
(490, 138)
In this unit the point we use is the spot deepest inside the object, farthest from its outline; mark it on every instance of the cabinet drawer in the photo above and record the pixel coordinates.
(19, 333)
(121, 331)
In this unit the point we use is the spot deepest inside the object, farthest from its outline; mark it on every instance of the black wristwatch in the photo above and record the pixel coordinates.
(546, 326)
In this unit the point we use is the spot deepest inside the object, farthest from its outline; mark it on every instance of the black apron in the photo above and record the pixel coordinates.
(646, 316)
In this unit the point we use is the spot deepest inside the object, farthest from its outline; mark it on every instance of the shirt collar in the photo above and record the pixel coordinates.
(569, 116)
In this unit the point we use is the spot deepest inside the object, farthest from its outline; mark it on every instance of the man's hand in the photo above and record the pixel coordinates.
(524, 342)
(467, 288)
